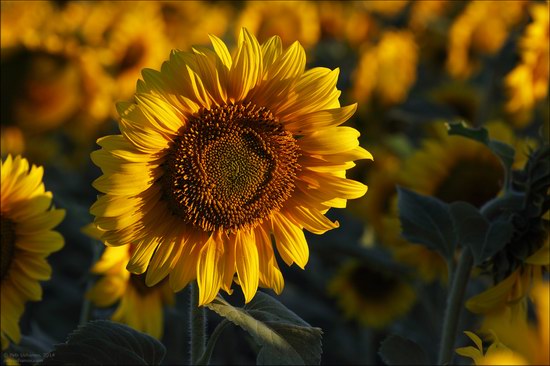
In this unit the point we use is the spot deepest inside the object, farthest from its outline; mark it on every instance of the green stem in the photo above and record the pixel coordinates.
(197, 325)
(205, 359)
(454, 306)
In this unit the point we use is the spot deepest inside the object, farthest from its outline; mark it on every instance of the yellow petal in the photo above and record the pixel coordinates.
(210, 269)
(290, 240)
(247, 263)
(311, 219)
(270, 275)
(330, 140)
(319, 120)
(492, 297)
(246, 68)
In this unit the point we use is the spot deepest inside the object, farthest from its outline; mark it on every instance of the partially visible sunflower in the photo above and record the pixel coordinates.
(134, 297)
(291, 20)
(27, 219)
(184, 28)
(518, 337)
(455, 168)
(217, 154)
(375, 73)
(450, 168)
(527, 83)
(134, 40)
(480, 29)
(375, 297)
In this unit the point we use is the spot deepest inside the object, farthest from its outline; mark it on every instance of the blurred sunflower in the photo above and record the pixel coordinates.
(291, 20)
(374, 297)
(383, 8)
(20, 22)
(481, 28)
(454, 168)
(184, 28)
(496, 354)
(527, 83)
(217, 154)
(27, 220)
(375, 73)
(49, 83)
(451, 168)
(520, 337)
(133, 41)
(423, 13)
(136, 298)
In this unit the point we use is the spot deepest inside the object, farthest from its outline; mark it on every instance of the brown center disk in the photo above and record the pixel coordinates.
(7, 241)
(230, 167)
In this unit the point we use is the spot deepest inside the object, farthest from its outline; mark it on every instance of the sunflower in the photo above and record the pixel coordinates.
(527, 83)
(133, 40)
(455, 168)
(184, 28)
(375, 73)
(374, 297)
(480, 29)
(520, 337)
(117, 284)
(296, 20)
(27, 220)
(217, 154)
(450, 168)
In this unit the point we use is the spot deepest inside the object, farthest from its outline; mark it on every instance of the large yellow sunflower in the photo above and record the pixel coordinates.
(375, 297)
(136, 299)
(27, 220)
(219, 152)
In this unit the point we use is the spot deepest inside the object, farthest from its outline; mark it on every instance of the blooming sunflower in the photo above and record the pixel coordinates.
(373, 296)
(217, 154)
(27, 220)
(117, 284)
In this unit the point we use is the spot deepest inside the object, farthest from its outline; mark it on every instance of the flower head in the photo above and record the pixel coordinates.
(220, 152)
(27, 238)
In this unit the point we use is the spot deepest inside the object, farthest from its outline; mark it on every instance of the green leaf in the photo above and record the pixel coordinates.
(473, 230)
(504, 151)
(284, 338)
(426, 220)
(396, 350)
(107, 343)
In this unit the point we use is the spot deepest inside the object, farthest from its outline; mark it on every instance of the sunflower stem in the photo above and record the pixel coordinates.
(205, 359)
(454, 306)
(197, 326)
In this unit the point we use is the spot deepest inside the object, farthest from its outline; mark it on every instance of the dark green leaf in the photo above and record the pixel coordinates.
(284, 338)
(476, 232)
(426, 220)
(104, 342)
(396, 350)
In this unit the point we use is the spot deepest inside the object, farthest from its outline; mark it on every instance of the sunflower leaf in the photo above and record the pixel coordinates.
(484, 238)
(106, 342)
(396, 350)
(284, 338)
(426, 220)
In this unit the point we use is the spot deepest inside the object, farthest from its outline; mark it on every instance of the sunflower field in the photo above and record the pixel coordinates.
(275, 182)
